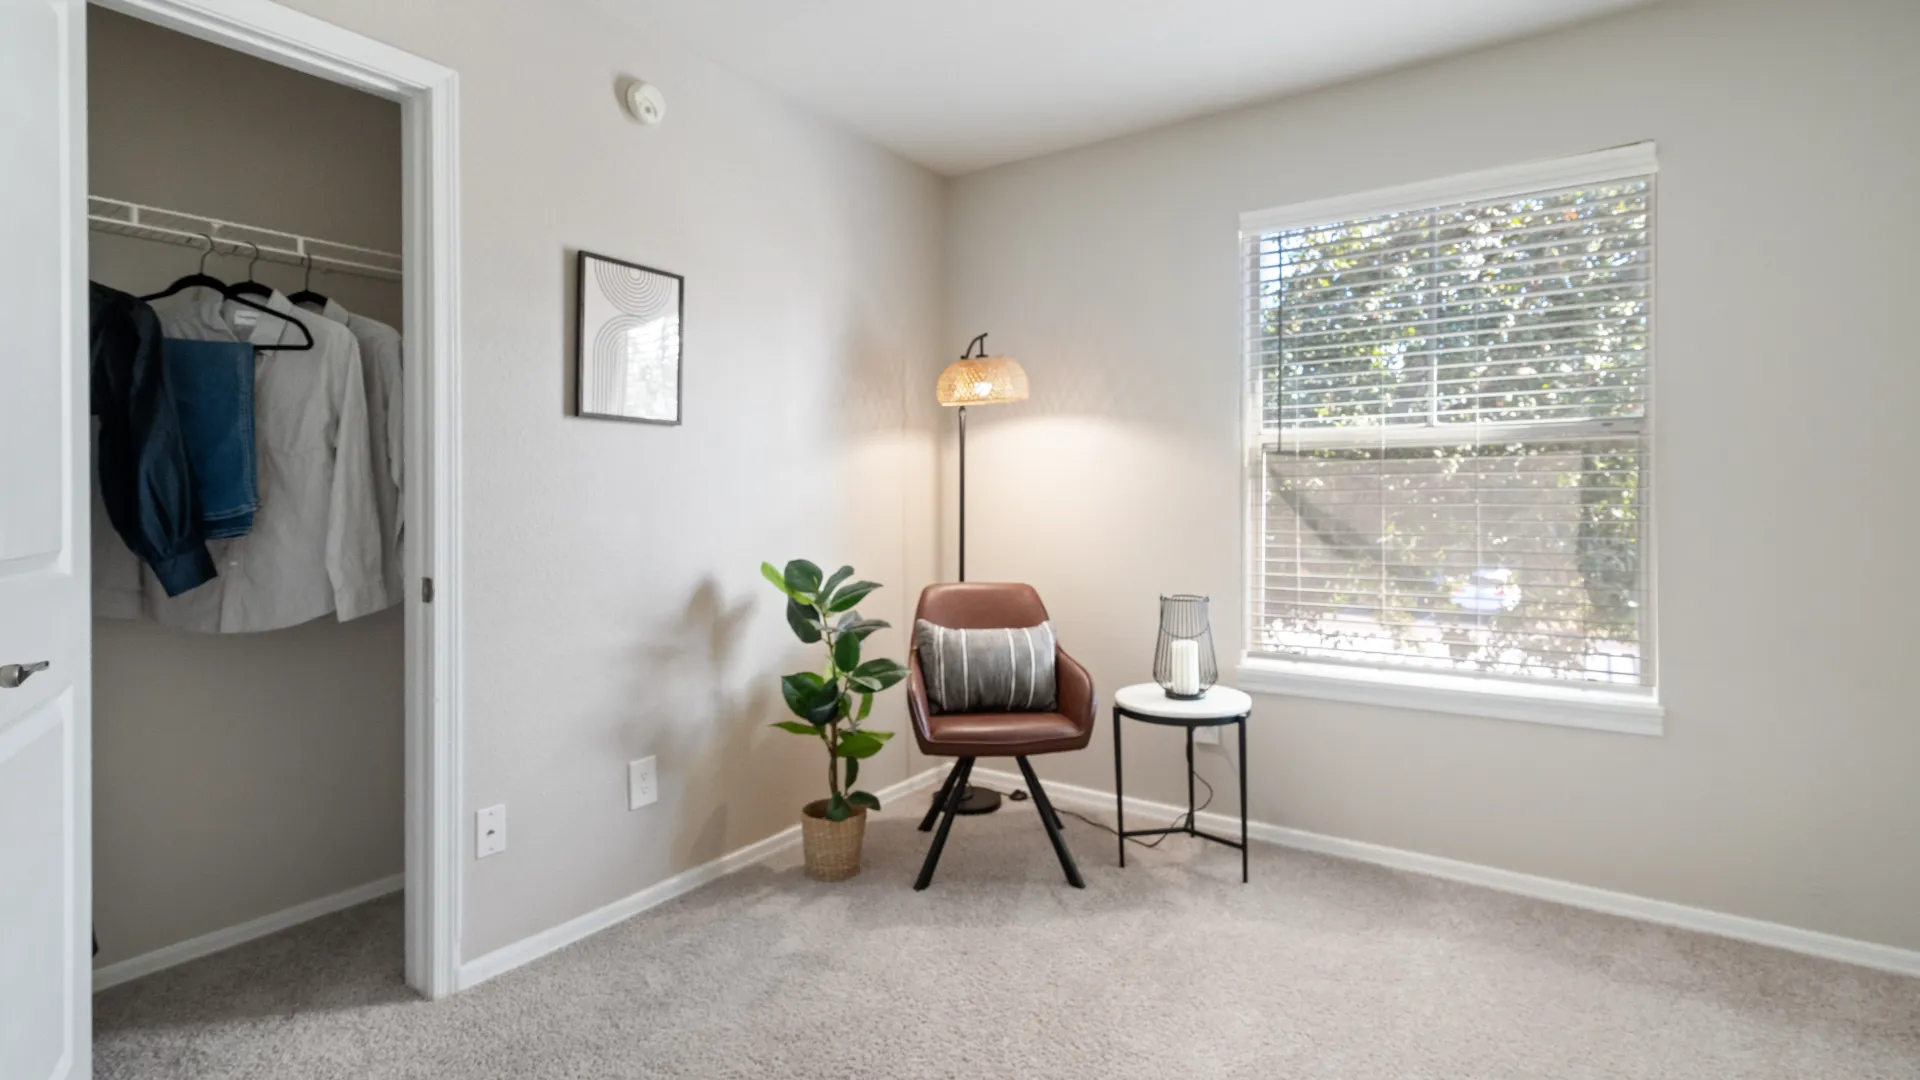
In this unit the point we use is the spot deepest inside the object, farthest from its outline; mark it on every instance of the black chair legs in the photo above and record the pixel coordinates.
(948, 804)
(940, 800)
(1052, 821)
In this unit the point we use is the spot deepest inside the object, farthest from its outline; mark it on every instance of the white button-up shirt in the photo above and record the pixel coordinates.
(380, 367)
(315, 544)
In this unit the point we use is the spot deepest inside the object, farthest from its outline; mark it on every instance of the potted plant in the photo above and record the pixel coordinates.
(832, 705)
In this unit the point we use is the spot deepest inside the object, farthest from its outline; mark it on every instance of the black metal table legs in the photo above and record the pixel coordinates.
(1119, 793)
(1192, 825)
(1243, 800)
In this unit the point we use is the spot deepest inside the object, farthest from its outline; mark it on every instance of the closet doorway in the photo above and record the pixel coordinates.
(321, 165)
(47, 901)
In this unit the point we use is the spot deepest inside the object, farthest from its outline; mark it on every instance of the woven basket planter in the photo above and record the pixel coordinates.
(832, 847)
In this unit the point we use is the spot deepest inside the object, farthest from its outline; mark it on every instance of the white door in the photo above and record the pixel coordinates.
(45, 852)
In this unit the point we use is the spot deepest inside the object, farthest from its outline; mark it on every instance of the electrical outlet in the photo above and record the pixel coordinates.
(643, 783)
(489, 831)
(1207, 736)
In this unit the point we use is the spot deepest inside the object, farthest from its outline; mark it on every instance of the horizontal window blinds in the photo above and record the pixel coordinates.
(1449, 449)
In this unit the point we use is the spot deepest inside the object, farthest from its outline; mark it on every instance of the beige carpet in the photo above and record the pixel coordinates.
(1170, 968)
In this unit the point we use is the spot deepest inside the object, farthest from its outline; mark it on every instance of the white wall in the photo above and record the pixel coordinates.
(238, 775)
(614, 605)
(1785, 376)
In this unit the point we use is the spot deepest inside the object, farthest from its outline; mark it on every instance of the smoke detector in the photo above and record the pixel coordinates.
(643, 101)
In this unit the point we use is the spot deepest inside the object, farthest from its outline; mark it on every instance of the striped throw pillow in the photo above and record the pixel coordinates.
(997, 670)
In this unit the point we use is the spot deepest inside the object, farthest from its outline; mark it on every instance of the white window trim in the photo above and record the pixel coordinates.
(1618, 163)
(1579, 705)
(1583, 706)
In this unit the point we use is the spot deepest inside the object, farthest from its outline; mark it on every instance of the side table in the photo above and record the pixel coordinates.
(1148, 703)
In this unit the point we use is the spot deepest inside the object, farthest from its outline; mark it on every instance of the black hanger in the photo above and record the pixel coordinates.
(250, 287)
(199, 278)
(306, 295)
(202, 279)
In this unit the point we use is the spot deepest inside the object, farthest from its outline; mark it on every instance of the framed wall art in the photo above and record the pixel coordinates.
(627, 349)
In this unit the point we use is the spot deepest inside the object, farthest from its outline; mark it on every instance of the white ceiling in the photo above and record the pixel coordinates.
(959, 85)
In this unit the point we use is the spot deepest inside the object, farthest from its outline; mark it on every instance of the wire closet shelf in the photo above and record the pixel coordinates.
(235, 238)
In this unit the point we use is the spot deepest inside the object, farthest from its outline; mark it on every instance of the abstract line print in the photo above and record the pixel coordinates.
(629, 341)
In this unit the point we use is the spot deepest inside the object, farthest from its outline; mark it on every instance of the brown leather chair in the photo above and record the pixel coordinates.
(970, 736)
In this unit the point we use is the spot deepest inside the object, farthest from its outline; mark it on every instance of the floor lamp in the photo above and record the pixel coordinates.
(978, 379)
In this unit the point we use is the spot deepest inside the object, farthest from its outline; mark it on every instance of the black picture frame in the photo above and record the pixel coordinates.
(585, 289)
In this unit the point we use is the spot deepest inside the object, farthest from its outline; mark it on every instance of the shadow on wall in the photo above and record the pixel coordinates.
(697, 720)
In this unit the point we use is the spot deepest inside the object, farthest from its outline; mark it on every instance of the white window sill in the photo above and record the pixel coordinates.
(1568, 706)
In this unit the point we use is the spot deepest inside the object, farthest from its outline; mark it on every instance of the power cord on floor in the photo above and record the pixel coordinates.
(1020, 795)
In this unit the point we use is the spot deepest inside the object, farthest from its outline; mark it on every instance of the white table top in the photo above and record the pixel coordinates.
(1148, 699)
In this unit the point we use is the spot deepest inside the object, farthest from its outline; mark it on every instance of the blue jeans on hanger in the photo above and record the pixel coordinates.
(213, 390)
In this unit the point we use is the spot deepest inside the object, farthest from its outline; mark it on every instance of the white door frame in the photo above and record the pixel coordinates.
(428, 95)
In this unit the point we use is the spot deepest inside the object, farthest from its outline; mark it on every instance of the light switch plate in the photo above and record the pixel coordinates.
(489, 831)
(643, 783)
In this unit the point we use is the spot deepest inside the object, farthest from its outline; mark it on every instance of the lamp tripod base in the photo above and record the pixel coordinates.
(978, 801)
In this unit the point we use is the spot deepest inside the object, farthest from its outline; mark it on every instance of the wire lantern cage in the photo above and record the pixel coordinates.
(1183, 661)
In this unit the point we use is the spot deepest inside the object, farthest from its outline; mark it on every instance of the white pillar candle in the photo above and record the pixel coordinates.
(1186, 666)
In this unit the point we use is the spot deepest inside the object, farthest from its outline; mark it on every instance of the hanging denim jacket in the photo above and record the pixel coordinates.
(142, 456)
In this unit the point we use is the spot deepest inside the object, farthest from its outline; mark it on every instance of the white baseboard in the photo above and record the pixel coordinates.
(221, 940)
(1646, 909)
(529, 949)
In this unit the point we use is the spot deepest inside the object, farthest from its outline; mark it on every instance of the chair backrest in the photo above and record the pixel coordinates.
(980, 605)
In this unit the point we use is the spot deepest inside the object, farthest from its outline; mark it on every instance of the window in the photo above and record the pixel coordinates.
(1448, 431)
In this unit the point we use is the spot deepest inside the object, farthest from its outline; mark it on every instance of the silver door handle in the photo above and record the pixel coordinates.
(12, 675)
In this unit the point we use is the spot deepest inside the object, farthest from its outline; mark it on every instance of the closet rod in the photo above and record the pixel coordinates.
(234, 238)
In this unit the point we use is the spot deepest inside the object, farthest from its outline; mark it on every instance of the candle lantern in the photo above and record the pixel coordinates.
(1183, 661)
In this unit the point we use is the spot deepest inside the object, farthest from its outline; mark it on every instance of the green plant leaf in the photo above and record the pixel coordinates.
(877, 675)
(803, 578)
(833, 582)
(799, 689)
(810, 697)
(852, 594)
(866, 706)
(804, 620)
(859, 744)
(838, 810)
(861, 798)
(853, 771)
(826, 707)
(772, 573)
(859, 627)
(846, 652)
(796, 727)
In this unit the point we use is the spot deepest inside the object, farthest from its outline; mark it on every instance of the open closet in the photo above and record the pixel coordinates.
(249, 664)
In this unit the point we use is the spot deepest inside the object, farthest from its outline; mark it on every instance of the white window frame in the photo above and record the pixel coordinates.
(1637, 711)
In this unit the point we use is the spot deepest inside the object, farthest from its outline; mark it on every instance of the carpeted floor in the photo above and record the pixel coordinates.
(1170, 968)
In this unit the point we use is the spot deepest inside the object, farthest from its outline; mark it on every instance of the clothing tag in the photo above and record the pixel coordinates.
(244, 318)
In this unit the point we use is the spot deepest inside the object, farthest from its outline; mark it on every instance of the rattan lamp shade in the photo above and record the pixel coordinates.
(982, 380)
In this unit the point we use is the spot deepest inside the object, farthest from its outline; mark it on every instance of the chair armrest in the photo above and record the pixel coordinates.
(1078, 702)
(917, 698)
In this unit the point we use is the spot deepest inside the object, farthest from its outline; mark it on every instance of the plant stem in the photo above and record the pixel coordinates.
(827, 635)
(833, 757)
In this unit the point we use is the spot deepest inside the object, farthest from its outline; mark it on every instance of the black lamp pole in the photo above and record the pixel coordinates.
(973, 800)
(963, 493)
